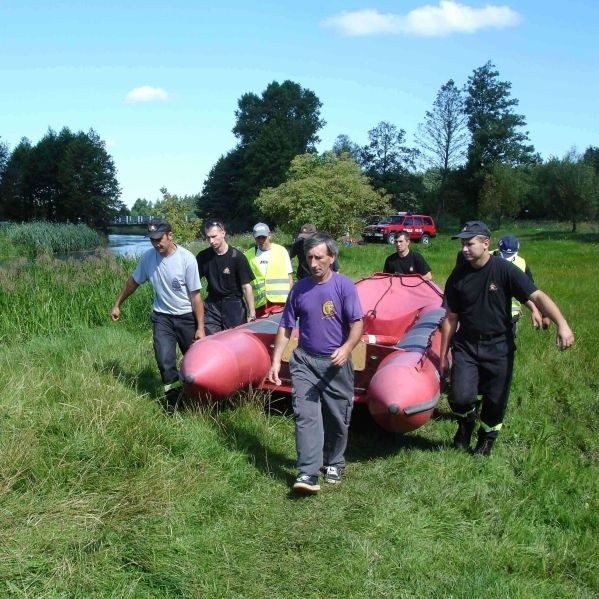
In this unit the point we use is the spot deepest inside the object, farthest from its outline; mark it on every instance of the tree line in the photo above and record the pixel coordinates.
(471, 157)
(65, 177)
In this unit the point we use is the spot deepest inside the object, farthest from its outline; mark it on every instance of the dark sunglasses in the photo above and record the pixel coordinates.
(214, 223)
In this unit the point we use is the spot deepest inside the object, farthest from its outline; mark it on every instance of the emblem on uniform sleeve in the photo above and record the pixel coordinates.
(328, 309)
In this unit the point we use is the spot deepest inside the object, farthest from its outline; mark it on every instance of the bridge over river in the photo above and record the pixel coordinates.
(131, 221)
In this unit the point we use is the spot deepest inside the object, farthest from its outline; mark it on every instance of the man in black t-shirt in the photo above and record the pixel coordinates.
(478, 296)
(229, 276)
(404, 261)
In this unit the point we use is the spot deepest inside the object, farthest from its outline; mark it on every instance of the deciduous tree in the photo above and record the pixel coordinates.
(142, 207)
(570, 187)
(4, 153)
(176, 211)
(223, 193)
(15, 200)
(65, 176)
(329, 190)
(591, 157)
(344, 144)
(88, 188)
(389, 164)
(503, 189)
(272, 129)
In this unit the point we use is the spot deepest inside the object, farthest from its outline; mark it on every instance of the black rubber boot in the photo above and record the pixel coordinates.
(463, 435)
(484, 445)
(174, 400)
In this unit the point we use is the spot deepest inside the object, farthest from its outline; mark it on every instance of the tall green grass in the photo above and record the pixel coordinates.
(39, 238)
(102, 494)
(53, 297)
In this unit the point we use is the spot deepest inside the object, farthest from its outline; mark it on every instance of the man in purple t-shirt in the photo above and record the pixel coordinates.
(330, 325)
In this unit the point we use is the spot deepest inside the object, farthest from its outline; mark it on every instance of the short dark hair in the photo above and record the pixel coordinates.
(318, 238)
(402, 234)
(208, 224)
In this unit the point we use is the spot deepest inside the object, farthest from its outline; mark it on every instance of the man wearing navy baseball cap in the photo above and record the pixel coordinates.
(478, 328)
(178, 309)
(508, 247)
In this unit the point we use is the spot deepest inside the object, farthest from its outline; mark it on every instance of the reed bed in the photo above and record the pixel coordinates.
(41, 237)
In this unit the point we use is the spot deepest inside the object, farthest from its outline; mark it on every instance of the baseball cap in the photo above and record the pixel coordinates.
(307, 230)
(473, 228)
(261, 230)
(508, 246)
(157, 227)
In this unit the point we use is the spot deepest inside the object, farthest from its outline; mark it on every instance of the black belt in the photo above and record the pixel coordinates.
(479, 336)
(222, 300)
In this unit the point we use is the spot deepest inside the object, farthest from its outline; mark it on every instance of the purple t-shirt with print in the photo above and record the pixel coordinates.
(324, 310)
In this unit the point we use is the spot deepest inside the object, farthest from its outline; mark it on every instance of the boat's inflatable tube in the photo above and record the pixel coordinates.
(405, 388)
(222, 364)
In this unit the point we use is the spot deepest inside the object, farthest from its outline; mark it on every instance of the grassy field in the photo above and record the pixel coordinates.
(104, 495)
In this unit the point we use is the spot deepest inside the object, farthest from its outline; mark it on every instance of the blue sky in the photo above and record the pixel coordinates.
(159, 81)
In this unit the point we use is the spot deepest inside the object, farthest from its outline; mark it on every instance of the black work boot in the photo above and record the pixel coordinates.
(484, 445)
(174, 400)
(463, 435)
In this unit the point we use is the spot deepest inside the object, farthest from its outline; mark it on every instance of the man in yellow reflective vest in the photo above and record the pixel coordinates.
(507, 248)
(272, 270)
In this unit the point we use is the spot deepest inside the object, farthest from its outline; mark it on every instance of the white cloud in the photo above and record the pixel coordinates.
(427, 21)
(146, 93)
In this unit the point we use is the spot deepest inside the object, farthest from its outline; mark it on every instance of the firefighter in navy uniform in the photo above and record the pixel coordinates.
(478, 296)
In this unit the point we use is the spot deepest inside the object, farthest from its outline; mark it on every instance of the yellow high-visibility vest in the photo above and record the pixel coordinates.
(516, 306)
(274, 287)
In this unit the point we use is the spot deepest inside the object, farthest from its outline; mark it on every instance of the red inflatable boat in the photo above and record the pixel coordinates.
(396, 363)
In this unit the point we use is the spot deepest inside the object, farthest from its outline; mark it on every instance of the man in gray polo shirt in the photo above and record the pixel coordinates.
(178, 309)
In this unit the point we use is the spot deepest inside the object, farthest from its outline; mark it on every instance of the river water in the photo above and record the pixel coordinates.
(128, 245)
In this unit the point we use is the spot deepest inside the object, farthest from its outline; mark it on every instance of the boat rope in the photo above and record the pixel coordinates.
(372, 311)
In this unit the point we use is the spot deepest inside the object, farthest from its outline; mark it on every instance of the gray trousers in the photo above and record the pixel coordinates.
(323, 397)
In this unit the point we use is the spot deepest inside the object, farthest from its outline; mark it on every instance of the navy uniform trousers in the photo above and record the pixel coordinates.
(482, 366)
